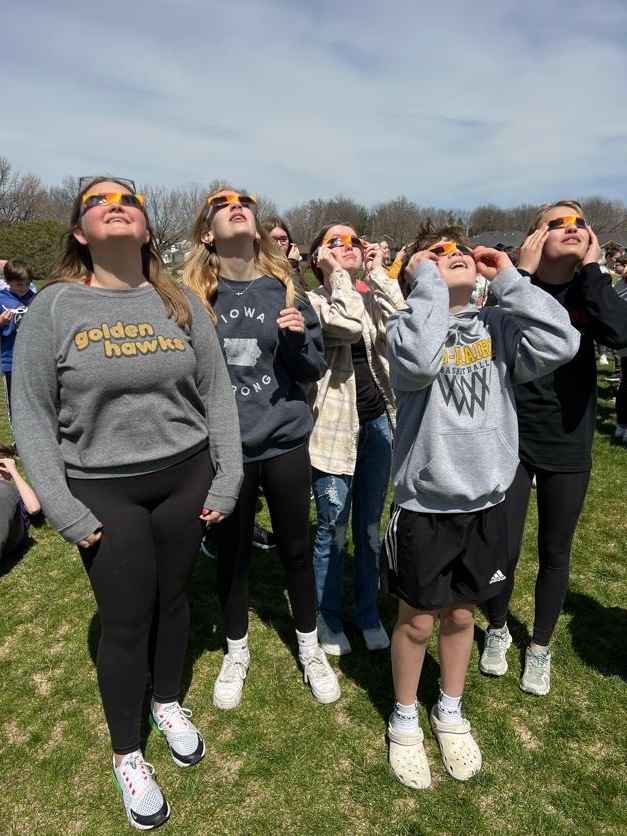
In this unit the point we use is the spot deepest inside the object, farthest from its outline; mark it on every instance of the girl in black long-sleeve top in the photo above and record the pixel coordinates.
(556, 419)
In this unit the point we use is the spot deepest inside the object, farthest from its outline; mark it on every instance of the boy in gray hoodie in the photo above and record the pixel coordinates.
(452, 367)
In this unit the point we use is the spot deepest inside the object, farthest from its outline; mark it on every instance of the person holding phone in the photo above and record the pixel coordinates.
(351, 443)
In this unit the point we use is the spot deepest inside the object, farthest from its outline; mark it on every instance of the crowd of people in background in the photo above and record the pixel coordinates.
(254, 373)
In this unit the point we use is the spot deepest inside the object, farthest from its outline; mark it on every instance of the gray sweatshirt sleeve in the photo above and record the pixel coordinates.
(214, 386)
(538, 336)
(416, 334)
(34, 418)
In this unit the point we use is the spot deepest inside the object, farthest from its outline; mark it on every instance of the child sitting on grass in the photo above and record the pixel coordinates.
(456, 451)
(18, 503)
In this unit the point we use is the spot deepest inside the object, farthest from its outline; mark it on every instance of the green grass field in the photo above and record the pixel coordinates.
(281, 763)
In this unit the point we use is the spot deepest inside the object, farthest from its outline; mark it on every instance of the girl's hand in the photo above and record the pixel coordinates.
(490, 262)
(326, 261)
(294, 253)
(531, 249)
(212, 517)
(292, 320)
(593, 253)
(373, 257)
(90, 540)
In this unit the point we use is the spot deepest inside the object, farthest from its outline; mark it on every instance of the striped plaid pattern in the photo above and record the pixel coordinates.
(345, 315)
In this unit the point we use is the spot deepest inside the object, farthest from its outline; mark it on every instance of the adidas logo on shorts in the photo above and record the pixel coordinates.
(497, 577)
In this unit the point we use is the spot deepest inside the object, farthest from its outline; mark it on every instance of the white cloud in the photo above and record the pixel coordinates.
(452, 105)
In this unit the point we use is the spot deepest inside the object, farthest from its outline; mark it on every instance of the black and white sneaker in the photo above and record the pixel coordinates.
(145, 806)
(263, 539)
(185, 741)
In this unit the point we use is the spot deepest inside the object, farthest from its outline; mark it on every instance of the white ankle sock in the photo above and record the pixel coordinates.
(405, 717)
(238, 646)
(307, 642)
(449, 709)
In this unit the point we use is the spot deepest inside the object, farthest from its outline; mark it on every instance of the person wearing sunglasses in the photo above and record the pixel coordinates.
(272, 342)
(452, 368)
(279, 231)
(124, 417)
(556, 419)
(350, 446)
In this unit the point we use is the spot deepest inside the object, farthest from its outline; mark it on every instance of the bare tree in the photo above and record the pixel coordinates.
(20, 194)
(395, 219)
(307, 218)
(605, 215)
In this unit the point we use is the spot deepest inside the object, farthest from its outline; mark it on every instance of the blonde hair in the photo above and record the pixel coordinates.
(542, 210)
(202, 265)
(75, 264)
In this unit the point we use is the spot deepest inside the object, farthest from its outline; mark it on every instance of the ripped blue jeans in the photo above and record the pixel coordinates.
(366, 491)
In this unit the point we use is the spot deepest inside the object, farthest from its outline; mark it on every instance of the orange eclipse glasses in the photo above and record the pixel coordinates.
(568, 220)
(448, 247)
(107, 198)
(219, 200)
(341, 240)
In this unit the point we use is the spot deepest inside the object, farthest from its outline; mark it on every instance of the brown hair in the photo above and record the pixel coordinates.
(271, 223)
(76, 263)
(317, 241)
(6, 451)
(428, 235)
(16, 270)
(202, 265)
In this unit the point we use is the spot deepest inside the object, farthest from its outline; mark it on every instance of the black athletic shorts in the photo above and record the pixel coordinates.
(432, 560)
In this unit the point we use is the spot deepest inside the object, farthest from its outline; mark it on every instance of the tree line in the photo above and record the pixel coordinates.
(33, 216)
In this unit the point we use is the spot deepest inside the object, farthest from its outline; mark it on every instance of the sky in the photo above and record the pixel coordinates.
(452, 104)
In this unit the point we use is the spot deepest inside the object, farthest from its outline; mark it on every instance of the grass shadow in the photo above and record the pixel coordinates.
(599, 634)
(10, 560)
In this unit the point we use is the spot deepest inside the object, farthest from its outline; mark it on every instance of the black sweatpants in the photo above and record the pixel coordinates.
(560, 498)
(139, 572)
(286, 482)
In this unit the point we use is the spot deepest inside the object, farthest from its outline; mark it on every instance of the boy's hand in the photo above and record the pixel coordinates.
(593, 253)
(291, 319)
(5, 317)
(490, 262)
(531, 249)
(421, 255)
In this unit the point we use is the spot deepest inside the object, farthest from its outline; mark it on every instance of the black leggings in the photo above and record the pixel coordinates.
(139, 572)
(286, 482)
(560, 498)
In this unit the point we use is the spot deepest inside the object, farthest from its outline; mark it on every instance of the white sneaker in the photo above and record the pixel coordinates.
(497, 643)
(227, 691)
(376, 638)
(185, 741)
(603, 361)
(335, 644)
(536, 678)
(145, 806)
(321, 677)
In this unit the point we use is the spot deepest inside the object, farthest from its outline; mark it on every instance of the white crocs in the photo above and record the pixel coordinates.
(460, 753)
(408, 759)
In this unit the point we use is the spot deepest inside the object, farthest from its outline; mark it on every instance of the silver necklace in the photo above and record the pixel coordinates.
(236, 292)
